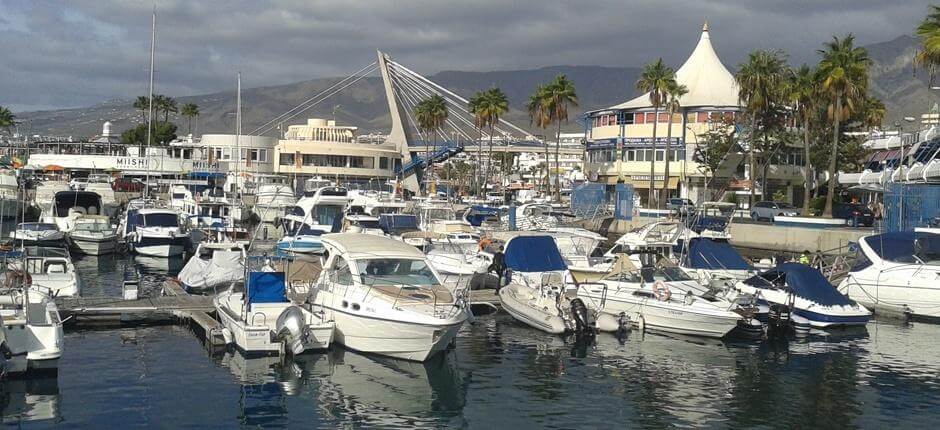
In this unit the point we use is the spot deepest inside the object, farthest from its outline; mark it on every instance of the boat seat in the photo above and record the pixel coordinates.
(56, 268)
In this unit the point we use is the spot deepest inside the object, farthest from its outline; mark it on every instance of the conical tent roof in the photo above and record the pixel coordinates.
(708, 81)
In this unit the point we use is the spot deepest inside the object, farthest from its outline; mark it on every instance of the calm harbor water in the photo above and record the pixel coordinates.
(500, 374)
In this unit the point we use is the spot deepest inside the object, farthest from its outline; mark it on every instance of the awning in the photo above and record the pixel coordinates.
(53, 168)
(645, 184)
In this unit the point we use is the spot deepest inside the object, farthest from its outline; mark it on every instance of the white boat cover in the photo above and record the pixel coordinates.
(222, 269)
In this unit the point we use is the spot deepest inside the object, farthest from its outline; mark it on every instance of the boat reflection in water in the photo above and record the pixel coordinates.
(159, 265)
(349, 387)
(33, 398)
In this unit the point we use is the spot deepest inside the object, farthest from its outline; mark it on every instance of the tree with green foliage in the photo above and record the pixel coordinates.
(163, 133)
(802, 93)
(539, 109)
(190, 111)
(712, 149)
(162, 103)
(674, 94)
(7, 118)
(142, 104)
(493, 105)
(431, 115)
(843, 77)
(928, 56)
(655, 79)
(475, 107)
(561, 94)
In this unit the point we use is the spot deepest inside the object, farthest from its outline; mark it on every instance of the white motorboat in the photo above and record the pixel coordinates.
(109, 203)
(52, 269)
(311, 218)
(261, 320)
(385, 297)
(37, 234)
(897, 272)
(10, 202)
(93, 235)
(272, 201)
(812, 301)
(46, 191)
(213, 266)
(662, 297)
(31, 322)
(536, 293)
(535, 216)
(66, 206)
(455, 261)
(154, 231)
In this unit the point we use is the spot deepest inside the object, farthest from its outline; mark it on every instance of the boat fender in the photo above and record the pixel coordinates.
(227, 336)
(662, 291)
(580, 313)
(607, 323)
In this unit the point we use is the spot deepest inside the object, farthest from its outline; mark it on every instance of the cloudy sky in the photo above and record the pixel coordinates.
(79, 52)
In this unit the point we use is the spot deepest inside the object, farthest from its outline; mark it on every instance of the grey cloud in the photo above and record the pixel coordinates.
(73, 53)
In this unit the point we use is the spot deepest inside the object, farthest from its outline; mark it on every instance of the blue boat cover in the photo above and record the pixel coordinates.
(533, 254)
(266, 287)
(206, 175)
(397, 223)
(704, 253)
(803, 281)
(899, 246)
(477, 214)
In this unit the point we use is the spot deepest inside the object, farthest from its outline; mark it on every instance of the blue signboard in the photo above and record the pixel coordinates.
(623, 201)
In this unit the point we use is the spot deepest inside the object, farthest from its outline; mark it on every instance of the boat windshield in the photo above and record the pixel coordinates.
(161, 220)
(325, 214)
(665, 274)
(96, 225)
(38, 226)
(395, 271)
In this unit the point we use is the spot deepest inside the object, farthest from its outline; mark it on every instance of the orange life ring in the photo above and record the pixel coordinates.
(662, 291)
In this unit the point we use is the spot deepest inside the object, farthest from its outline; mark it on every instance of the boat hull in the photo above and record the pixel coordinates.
(658, 317)
(517, 305)
(93, 246)
(159, 246)
(406, 341)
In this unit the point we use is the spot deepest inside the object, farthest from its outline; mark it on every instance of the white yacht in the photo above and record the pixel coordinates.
(273, 201)
(52, 269)
(46, 191)
(109, 203)
(214, 265)
(813, 302)
(897, 272)
(37, 234)
(93, 235)
(154, 231)
(385, 298)
(259, 319)
(31, 323)
(66, 206)
(536, 292)
(662, 297)
(10, 201)
(457, 262)
(535, 216)
(311, 218)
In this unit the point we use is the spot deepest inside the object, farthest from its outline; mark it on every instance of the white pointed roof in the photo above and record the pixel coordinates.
(708, 81)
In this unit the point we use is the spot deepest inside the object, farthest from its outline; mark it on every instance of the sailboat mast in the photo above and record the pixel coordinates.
(238, 129)
(153, 40)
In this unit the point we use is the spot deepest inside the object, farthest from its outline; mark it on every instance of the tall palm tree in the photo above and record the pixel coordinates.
(562, 94)
(843, 75)
(7, 119)
(539, 107)
(655, 79)
(928, 31)
(190, 111)
(674, 94)
(802, 93)
(143, 105)
(162, 103)
(874, 112)
(431, 115)
(761, 81)
(493, 105)
(474, 105)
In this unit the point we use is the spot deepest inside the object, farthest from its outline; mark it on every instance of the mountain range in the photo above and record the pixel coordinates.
(892, 79)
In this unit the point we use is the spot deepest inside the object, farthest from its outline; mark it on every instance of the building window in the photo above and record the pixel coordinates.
(650, 118)
(362, 162)
(660, 154)
(287, 159)
(383, 163)
(702, 117)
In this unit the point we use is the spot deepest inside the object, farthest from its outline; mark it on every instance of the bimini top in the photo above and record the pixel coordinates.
(802, 280)
(707, 254)
(533, 254)
(904, 246)
(359, 245)
(266, 287)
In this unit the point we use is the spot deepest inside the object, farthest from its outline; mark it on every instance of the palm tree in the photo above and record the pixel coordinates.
(143, 105)
(843, 75)
(7, 119)
(673, 94)
(474, 105)
(760, 80)
(562, 93)
(928, 31)
(190, 111)
(539, 107)
(802, 92)
(431, 114)
(874, 112)
(493, 106)
(655, 79)
(166, 105)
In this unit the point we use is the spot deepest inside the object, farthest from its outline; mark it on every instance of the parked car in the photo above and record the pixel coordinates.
(855, 214)
(680, 206)
(768, 210)
(78, 184)
(99, 178)
(127, 184)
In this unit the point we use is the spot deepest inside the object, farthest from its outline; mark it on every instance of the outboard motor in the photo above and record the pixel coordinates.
(778, 324)
(290, 329)
(579, 312)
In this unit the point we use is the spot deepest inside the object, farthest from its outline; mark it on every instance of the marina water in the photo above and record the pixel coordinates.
(500, 374)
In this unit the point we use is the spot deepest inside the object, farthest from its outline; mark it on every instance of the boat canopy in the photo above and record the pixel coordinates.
(477, 214)
(533, 254)
(803, 281)
(86, 202)
(904, 246)
(266, 287)
(223, 268)
(704, 253)
(398, 223)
